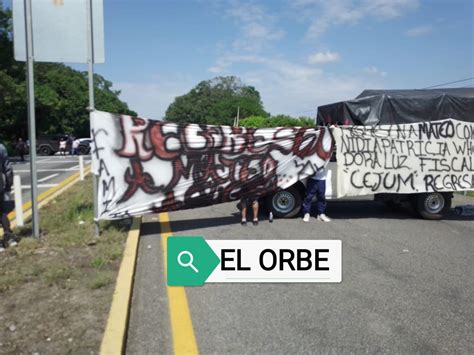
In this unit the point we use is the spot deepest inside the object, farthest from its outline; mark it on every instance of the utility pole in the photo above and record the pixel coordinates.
(237, 119)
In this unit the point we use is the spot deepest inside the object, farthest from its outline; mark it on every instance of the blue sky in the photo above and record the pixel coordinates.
(297, 53)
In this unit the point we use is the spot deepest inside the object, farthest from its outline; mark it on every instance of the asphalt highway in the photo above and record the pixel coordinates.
(51, 171)
(407, 287)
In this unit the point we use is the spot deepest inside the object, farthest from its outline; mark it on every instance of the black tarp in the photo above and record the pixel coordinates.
(373, 107)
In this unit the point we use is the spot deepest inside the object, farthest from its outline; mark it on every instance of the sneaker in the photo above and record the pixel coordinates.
(306, 217)
(12, 243)
(9, 240)
(322, 217)
(255, 222)
(244, 222)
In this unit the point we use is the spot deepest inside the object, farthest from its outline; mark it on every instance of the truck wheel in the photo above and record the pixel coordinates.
(433, 205)
(285, 203)
(45, 150)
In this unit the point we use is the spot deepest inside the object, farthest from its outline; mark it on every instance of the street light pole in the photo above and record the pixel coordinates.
(31, 116)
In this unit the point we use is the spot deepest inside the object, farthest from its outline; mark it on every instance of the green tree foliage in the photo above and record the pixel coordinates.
(61, 94)
(276, 121)
(215, 102)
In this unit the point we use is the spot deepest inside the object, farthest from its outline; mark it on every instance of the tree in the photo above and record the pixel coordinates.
(215, 102)
(276, 121)
(61, 93)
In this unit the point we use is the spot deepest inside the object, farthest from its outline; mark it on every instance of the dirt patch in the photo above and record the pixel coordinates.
(56, 292)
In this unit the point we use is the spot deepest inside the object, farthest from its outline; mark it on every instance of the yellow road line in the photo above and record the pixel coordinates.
(26, 206)
(113, 341)
(46, 197)
(184, 341)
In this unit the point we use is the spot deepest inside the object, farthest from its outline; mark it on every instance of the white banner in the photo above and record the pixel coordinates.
(153, 166)
(408, 158)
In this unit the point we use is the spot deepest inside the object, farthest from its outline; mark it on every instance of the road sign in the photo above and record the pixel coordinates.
(60, 30)
(193, 261)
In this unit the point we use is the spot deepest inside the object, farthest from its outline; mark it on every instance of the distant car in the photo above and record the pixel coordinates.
(84, 146)
(49, 144)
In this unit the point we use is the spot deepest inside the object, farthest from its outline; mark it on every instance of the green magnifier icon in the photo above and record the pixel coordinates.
(190, 260)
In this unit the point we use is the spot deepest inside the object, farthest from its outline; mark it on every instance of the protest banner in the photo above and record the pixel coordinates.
(406, 158)
(149, 166)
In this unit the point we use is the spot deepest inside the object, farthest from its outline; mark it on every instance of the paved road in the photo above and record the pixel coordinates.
(407, 287)
(51, 171)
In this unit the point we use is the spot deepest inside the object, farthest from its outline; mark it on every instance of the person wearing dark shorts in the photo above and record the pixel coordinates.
(244, 203)
(6, 180)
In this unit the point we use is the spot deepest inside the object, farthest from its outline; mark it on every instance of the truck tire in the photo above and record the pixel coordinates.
(433, 205)
(45, 150)
(285, 203)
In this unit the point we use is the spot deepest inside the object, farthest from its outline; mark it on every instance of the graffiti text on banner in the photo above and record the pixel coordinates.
(407, 158)
(147, 166)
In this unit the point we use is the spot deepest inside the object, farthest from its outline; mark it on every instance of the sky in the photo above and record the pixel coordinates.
(298, 54)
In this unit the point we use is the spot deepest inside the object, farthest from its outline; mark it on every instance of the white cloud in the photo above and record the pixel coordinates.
(419, 31)
(372, 70)
(152, 99)
(295, 88)
(323, 14)
(257, 26)
(390, 8)
(324, 57)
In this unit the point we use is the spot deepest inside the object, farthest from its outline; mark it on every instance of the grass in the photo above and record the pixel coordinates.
(63, 282)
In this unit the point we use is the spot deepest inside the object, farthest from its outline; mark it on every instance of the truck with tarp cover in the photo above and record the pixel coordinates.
(397, 146)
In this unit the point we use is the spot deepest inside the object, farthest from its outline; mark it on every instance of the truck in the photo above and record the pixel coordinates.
(382, 107)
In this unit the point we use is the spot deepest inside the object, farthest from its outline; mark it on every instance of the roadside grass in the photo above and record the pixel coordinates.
(56, 291)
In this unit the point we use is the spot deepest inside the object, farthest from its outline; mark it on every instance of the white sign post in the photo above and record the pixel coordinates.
(70, 31)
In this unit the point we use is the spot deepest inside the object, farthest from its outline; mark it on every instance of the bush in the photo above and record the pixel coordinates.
(276, 121)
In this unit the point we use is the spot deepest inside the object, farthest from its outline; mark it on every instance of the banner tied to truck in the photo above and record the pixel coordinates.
(406, 158)
(146, 166)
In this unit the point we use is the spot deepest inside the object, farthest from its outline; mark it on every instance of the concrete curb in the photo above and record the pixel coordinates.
(115, 335)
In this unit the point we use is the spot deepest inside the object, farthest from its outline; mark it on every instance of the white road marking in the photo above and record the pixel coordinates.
(40, 186)
(60, 161)
(43, 170)
(48, 177)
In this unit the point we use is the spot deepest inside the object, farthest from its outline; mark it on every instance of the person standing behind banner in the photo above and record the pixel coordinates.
(244, 203)
(75, 146)
(62, 147)
(70, 141)
(6, 181)
(316, 185)
(21, 148)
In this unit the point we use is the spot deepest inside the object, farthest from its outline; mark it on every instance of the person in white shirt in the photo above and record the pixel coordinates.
(62, 147)
(75, 146)
(316, 185)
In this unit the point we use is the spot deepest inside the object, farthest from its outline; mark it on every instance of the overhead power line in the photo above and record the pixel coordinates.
(452, 82)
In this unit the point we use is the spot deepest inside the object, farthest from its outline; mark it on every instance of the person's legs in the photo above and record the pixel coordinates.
(311, 188)
(7, 231)
(243, 210)
(255, 211)
(321, 203)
